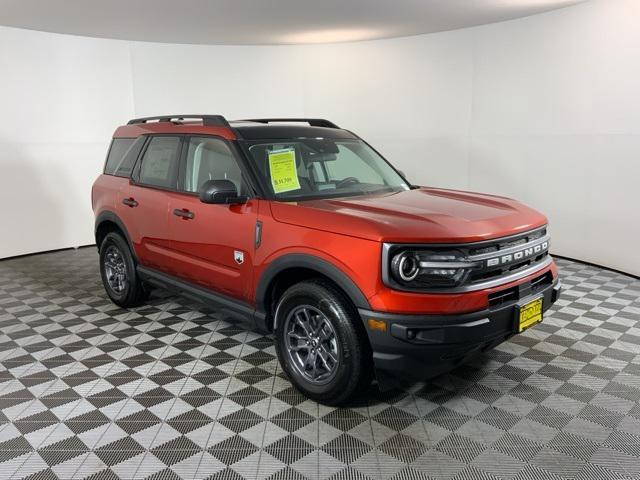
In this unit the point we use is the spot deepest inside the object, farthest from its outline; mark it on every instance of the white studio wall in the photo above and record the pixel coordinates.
(61, 98)
(544, 109)
(556, 123)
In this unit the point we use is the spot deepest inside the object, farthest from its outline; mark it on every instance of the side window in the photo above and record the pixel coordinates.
(128, 161)
(159, 161)
(117, 151)
(210, 158)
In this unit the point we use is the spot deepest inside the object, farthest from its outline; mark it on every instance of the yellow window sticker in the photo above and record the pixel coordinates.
(282, 167)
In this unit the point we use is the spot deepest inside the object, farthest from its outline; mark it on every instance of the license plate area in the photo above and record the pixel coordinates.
(528, 314)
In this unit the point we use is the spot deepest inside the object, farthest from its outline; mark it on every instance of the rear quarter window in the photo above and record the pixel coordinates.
(159, 162)
(122, 156)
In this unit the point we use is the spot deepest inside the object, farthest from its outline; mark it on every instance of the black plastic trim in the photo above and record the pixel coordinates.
(419, 346)
(254, 131)
(301, 260)
(258, 234)
(109, 216)
(199, 293)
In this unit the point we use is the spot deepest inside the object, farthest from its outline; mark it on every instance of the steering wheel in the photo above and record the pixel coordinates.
(347, 181)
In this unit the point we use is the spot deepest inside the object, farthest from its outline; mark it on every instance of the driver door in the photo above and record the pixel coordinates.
(213, 245)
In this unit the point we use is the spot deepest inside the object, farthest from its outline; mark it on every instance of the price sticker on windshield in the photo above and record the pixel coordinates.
(283, 171)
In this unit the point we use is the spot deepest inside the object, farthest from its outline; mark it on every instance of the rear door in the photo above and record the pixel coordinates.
(145, 203)
(213, 244)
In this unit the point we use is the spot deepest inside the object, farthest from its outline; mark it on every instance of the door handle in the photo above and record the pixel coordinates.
(184, 213)
(130, 202)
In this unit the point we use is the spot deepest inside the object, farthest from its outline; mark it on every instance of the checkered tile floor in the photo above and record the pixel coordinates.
(174, 390)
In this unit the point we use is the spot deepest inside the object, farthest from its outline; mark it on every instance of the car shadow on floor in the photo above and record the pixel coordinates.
(438, 389)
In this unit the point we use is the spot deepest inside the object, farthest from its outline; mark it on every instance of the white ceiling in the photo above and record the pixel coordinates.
(261, 21)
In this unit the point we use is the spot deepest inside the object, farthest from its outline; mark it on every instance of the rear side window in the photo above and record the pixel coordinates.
(159, 162)
(122, 156)
(119, 147)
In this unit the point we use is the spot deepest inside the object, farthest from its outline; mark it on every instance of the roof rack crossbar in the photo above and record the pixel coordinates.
(207, 120)
(314, 122)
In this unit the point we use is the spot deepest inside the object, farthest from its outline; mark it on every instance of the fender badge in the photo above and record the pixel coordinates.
(238, 256)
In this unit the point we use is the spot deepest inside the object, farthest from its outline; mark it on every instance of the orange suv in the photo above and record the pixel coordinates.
(304, 229)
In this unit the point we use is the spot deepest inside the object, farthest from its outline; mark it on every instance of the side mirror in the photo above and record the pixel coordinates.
(220, 191)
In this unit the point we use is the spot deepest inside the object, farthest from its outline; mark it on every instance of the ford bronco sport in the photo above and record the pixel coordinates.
(303, 228)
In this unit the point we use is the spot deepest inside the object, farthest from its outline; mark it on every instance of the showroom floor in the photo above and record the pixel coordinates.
(172, 390)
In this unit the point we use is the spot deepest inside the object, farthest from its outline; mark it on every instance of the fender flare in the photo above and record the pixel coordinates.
(302, 260)
(109, 216)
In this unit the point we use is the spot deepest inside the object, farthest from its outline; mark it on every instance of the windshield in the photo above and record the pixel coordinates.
(313, 168)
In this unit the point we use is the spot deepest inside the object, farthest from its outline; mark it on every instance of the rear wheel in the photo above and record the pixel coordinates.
(118, 271)
(319, 343)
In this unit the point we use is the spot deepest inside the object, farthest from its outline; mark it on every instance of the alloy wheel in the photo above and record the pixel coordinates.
(311, 344)
(115, 269)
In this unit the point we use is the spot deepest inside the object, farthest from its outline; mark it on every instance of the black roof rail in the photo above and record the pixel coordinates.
(207, 120)
(314, 122)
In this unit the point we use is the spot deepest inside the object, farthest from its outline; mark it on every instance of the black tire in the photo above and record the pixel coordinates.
(352, 372)
(133, 292)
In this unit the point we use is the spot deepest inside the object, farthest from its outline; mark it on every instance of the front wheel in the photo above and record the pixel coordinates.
(320, 343)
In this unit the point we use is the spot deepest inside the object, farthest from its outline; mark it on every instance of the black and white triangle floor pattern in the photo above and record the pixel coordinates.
(175, 390)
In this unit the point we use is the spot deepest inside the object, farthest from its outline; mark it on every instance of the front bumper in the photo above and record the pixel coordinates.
(418, 347)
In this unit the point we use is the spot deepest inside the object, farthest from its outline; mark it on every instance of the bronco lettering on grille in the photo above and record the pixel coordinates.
(518, 256)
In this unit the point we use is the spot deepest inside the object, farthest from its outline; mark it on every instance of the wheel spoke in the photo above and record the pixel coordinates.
(303, 320)
(297, 348)
(330, 355)
(323, 334)
(298, 337)
(310, 361)
(324, 356)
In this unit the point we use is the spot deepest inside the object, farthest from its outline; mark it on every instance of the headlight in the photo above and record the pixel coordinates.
(405, 266)
(422, 268)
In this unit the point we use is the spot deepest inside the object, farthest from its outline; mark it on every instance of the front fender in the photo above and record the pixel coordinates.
(311, 262)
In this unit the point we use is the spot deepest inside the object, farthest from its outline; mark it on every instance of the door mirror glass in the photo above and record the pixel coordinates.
(220, 191)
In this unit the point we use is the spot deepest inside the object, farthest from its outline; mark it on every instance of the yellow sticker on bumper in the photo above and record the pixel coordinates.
(530, 314)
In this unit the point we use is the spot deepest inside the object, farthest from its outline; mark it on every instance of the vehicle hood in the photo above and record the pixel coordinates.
(428, 215)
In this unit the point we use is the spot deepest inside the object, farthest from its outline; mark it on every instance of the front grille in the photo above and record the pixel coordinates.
(494, 250)
(513, 294)
(542, 281)
(497, 299)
